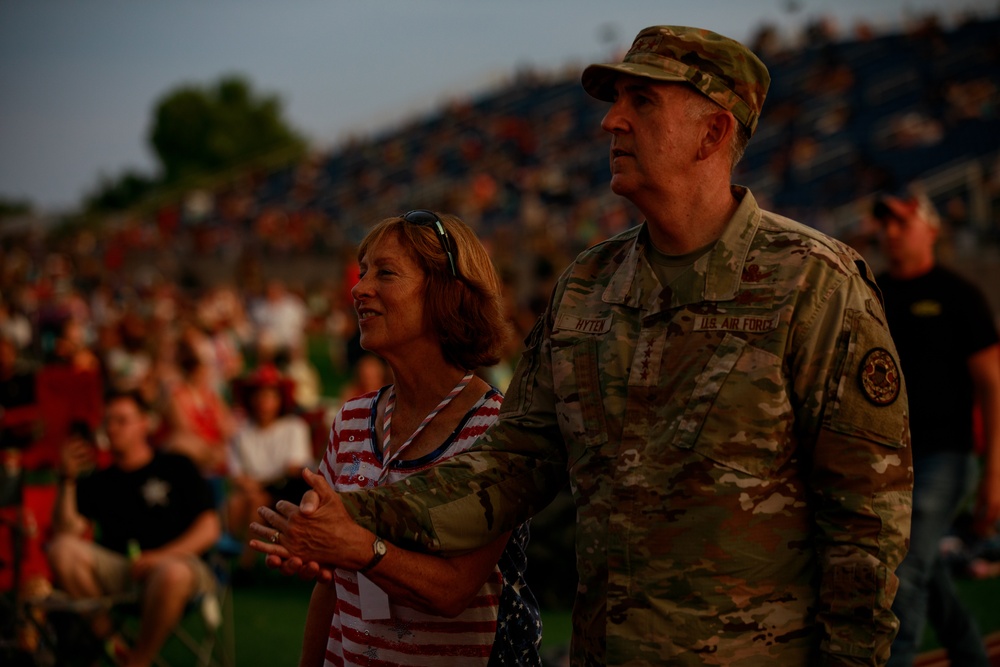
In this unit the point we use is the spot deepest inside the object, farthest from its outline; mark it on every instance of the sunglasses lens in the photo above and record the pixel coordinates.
(420, 217)
(426, 218)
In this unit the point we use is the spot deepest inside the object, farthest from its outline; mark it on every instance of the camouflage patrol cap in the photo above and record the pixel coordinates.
(720, 68)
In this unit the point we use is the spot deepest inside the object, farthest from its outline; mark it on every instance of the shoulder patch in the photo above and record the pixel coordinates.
(878, 375)
(869, 397)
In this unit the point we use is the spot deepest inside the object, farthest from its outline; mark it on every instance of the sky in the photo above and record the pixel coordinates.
(79, 79)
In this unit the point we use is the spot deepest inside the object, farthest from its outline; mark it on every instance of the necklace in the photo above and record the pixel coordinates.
(388, 456)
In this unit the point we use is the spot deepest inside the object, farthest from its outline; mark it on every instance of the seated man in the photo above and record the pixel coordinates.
(154, 516)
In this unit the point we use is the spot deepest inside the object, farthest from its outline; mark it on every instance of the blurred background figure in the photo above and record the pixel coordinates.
(295, 364)
(126, 356)
(950, 359)
(200, 423)
(14, 326)
(280, 316)
(267, 454)
(370, 374)
(17, 378)
(154, 516)
(220, 314)
(70, 348)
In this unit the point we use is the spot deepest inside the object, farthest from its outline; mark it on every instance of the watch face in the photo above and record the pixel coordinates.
(379, 547)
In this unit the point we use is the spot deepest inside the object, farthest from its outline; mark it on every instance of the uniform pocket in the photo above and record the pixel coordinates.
(588, 376)
(579, 400)
(739, 415)
(521, 386)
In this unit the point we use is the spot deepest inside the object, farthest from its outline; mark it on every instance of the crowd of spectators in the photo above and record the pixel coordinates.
(177, 301)
(526, 164)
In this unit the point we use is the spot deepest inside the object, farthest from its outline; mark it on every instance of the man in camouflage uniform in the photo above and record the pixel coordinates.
(719, 388)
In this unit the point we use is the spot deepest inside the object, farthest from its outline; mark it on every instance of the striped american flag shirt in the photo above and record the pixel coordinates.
(500, 627)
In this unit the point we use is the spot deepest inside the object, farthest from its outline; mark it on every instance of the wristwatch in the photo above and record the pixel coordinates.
(378, 552)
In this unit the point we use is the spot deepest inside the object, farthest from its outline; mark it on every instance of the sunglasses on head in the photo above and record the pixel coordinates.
(425, 218)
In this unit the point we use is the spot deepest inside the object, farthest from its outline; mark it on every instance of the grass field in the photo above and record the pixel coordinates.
(270, 612)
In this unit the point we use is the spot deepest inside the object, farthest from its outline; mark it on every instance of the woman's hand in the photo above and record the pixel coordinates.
(311, 538)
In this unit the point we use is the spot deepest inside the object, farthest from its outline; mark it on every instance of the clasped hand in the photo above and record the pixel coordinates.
(310, 539)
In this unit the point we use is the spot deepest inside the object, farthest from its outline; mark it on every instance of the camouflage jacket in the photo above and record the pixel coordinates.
(736, 444)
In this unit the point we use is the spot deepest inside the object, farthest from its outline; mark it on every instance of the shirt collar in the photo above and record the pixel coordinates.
(716, 275)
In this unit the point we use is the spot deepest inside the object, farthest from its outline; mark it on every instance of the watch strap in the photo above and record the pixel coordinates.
(378, 553)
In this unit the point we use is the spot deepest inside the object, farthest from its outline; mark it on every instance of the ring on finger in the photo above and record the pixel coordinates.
(275, 537)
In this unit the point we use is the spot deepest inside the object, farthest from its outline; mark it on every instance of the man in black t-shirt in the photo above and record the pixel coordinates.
(950, 359)
(153, 515)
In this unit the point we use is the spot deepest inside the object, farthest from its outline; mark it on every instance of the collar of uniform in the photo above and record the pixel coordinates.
(716, 275)
(723, 267)
(621, 288)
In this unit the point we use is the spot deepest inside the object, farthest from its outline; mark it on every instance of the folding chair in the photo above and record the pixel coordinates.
(204, 636)
(206, 631)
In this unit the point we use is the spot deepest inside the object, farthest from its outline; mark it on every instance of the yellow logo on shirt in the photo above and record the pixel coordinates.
(926, 308)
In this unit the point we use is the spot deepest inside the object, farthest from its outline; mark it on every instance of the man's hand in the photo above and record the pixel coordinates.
(76, 456)
(313, 537)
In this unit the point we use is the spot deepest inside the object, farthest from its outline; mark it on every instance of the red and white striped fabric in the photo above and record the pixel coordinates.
(408, 637)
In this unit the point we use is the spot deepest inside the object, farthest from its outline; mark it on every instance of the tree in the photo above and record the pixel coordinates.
(13, 207)
(200, 130)
(117, 194)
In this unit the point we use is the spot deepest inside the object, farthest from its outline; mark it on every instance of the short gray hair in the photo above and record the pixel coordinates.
(701, 106)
